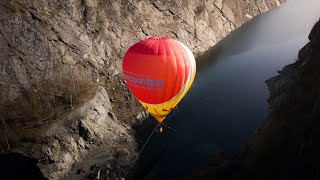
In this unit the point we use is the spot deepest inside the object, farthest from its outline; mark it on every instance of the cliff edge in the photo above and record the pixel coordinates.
(287, 145)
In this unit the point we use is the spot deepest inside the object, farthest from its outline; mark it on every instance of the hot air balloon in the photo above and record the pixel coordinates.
(159, 71)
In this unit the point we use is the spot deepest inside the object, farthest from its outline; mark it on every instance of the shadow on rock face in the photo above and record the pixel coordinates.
(17, 166)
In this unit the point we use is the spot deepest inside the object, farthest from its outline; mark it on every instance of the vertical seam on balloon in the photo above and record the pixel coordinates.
(150, 94)
(187, 76)
(142, 49)
(192, 65)
(190, 78)
(176, 71)
(181, 50)
(153, 40)
(156, 53)
(185, 65)
(183, 70)
(185, 85)
(165, 67)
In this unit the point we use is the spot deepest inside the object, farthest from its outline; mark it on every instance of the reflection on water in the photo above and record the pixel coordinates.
(228, 99)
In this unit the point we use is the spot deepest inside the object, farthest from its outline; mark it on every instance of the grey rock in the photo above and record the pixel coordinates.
(142, 116)
(67, 59)
(94, 132)
(67, 38)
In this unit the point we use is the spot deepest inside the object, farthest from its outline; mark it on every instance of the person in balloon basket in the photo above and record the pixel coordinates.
(159, 128)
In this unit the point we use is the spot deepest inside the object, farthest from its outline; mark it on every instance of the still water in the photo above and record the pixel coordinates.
(227, 102)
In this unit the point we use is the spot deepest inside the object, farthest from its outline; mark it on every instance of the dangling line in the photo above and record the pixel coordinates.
(168, 127)
(159, 124)
(134, 162)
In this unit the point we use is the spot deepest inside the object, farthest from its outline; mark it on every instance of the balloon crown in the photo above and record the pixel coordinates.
(159, 37)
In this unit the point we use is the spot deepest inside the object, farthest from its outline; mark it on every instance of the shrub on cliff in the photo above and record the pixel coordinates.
(41, 104)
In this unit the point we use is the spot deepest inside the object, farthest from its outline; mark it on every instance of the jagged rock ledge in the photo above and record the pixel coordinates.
(89, 130)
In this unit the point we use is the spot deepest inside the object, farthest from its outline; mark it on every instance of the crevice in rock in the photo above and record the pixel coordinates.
(73, 48)
(15, 49)
(156, 6)
(83, 131)
(144, 32)
(224, 15)
(35, 17)
(110, 115)
(167, 12)
(171, 12)
(84, 11)
(175, 34)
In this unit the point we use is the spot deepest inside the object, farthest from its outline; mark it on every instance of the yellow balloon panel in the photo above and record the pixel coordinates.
(160, 111)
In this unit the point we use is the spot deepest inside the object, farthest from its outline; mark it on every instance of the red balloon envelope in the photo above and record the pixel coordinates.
(159, 71)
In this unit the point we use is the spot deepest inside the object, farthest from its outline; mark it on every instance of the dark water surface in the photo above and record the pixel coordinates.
(15, 166)
(227, 102)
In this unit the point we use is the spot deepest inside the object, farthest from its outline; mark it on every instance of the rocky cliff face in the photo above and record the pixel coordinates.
(287, 145)
(46, 44)
(91, 129)
(88, 38)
